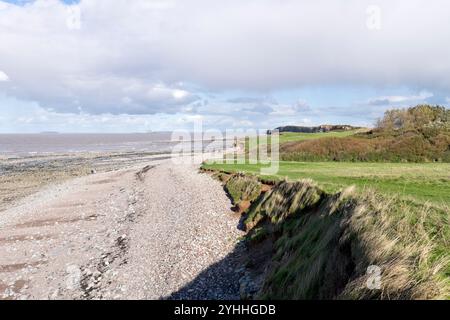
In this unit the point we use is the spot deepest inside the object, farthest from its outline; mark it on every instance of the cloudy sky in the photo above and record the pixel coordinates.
(139, 65)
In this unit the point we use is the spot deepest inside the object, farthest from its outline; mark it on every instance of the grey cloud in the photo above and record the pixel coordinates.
(379, 102)
(245, 100)
(245, 45)
(423, 96)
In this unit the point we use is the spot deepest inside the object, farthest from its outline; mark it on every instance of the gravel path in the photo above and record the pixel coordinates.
(161, 231)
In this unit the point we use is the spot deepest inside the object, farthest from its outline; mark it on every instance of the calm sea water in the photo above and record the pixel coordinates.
(12, 145)
(35, 144)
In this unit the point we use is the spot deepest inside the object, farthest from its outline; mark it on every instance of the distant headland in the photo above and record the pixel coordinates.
(317, 129)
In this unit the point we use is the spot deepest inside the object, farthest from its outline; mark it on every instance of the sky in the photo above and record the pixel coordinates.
(161, 65)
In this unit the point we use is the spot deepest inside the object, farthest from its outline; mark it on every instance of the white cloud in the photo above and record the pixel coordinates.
(179, 94)
(3, 76)
(131, 57)
(389, 100)
(30, 117)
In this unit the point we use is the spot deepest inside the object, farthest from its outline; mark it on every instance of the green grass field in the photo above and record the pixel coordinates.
(404, 237)
(294, 136)
(400, 206)
(421, 182)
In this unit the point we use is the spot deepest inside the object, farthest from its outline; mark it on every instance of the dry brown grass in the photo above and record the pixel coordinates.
(403, 249)
(243, 188)
(411, 147)
(324, 244)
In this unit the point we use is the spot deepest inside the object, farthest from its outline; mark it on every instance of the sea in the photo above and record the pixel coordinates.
(22, 145)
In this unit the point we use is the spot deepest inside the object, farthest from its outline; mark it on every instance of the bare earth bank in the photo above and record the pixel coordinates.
(163, 232)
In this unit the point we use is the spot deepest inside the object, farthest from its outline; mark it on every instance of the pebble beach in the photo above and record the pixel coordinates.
(115, 226)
